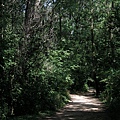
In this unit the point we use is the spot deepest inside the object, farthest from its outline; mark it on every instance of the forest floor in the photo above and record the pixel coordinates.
(82, 107)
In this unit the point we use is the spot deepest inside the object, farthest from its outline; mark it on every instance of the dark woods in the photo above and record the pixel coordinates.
(50, 47)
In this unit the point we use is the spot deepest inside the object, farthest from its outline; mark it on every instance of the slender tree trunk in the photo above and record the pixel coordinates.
(29, 15)
(94, 60)
(1, 54)
(1, 41)
(60, 23)
(111, 36)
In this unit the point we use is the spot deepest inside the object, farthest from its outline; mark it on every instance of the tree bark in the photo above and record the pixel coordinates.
(94, 60)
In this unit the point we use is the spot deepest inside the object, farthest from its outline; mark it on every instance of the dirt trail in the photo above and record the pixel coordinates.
(82, 107)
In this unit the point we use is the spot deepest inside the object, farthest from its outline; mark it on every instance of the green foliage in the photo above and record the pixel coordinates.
(112, 93)
(47, 50)
(111, 74)
(57, 79)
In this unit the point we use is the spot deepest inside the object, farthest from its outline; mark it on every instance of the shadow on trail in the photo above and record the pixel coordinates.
(79, 115)
(82, 107)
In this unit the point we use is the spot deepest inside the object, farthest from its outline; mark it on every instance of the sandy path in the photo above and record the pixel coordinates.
(82, 107)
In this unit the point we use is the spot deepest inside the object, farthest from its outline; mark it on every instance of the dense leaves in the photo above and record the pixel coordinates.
(50, 47)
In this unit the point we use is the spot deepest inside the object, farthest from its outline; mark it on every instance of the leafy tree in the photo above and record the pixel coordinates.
(48, 47)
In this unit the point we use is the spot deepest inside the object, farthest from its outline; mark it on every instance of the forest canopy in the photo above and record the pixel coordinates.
(51, 47)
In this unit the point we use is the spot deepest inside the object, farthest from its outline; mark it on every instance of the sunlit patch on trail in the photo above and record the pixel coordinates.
(84, 103)
(82, 107)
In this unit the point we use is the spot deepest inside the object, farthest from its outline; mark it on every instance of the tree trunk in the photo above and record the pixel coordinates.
(94, 60)
(60, 24)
